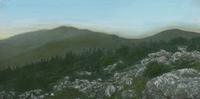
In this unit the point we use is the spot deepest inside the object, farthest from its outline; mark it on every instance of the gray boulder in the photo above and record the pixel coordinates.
(180, 84)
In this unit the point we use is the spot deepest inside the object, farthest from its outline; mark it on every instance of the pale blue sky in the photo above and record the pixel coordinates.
(130, 18)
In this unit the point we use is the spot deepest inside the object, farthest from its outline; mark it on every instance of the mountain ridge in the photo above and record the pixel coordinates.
(49, 43)
(31, 46)
(170, 34)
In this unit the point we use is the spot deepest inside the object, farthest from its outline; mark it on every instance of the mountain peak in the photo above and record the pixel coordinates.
(65, 28)
(168, 35)
(173, 31)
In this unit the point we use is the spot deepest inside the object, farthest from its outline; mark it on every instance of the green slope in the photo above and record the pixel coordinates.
(28, 41)
(30, 47)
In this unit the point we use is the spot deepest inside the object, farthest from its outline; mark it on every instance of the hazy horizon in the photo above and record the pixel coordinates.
(126, 18)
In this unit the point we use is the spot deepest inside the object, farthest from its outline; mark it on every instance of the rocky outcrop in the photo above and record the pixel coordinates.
(169, 59)
(111, 68)
(32, 94)
(180, 84)
(7, 95)
(98, 88)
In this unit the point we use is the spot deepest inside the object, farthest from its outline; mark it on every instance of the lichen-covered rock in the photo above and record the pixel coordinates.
(7, 95)
(161, 57)
(110, 90)
(32, 94)
(180, 84)
(84, 73)
(112, 67)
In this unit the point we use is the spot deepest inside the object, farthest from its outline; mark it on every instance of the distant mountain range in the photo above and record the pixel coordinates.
(33, 46)
(172, 34)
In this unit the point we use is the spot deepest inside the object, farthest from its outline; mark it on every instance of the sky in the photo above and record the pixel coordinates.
(127, 18)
